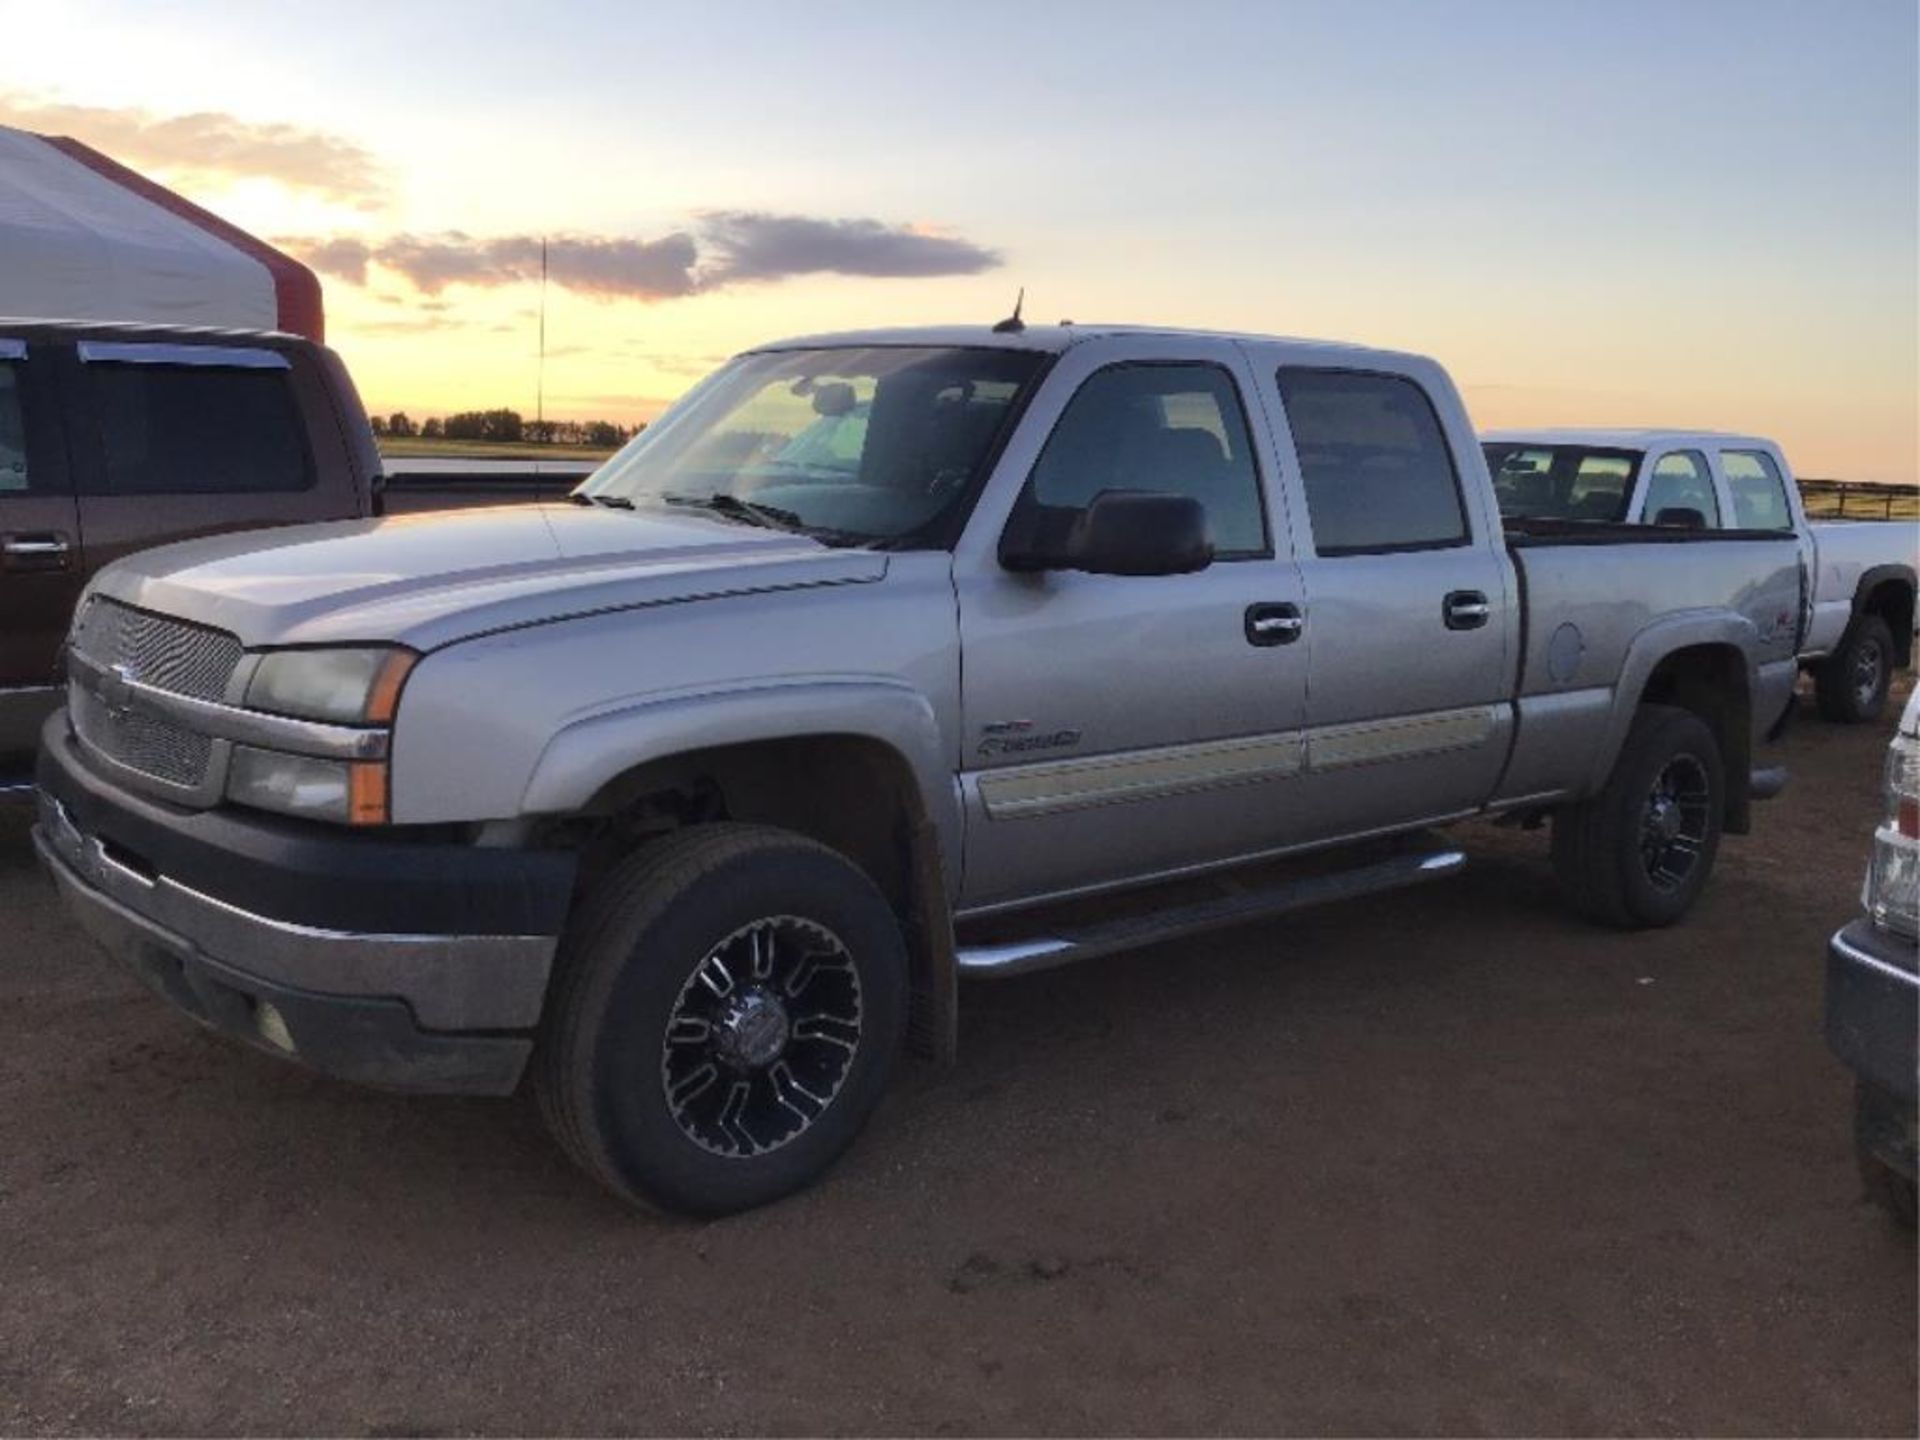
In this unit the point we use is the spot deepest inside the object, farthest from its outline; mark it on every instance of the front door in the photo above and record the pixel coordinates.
(1122, 726)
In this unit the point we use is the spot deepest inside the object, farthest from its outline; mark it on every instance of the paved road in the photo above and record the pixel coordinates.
(1446, 1162)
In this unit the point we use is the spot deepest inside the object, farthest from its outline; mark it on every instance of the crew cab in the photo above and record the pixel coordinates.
(1859, 574)
(692, 799)
(118, 437)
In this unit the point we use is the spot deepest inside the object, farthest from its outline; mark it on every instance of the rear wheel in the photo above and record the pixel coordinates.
(729, 1007)
(1638, 853)
(1851, 684)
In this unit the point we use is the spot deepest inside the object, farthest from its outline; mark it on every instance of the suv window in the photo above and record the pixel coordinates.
(13, 432)
(1176, 428)
(1681, 481)
(1758, 492)
(198, 429)
(1374, 462)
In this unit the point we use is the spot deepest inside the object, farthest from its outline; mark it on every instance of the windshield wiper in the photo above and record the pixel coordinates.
(614, 502)
(769, 517)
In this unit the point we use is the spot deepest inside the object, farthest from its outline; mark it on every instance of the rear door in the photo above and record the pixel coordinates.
(1410, 624)
(40, 558)
(173, 440)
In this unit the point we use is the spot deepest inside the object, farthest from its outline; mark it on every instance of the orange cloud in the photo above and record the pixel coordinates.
(212, 145)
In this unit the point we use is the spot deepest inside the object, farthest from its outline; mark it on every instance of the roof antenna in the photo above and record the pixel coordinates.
(1013, 324)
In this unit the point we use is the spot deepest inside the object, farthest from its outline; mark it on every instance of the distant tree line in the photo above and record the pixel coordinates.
(505, 426)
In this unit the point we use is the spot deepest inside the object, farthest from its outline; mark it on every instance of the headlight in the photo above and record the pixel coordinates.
(348, 792)
(359, 686)
(1892, 894)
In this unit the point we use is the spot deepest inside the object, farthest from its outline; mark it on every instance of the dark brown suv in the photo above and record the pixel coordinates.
(114, 438)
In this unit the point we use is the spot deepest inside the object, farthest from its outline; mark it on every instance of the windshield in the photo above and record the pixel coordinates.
(1561, 482)
(852, 445)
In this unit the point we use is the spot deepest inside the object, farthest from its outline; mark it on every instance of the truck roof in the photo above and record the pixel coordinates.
(1054, 339)
(1625, 438)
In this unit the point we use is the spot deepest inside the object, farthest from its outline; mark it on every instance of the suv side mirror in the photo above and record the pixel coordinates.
(1123, 532)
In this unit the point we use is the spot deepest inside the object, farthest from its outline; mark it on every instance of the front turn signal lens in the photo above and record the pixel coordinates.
(367, 793)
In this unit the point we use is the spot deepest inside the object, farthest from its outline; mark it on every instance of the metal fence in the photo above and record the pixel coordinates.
(1859, 500)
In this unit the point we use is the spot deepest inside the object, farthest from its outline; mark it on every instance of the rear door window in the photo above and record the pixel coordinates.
(1757, 490)
(197, 429)
(1680, 482)
(1374, 462)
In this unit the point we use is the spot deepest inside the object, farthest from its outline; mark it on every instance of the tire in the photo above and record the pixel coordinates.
(1892, 1191)
(1850, 685)
(1601, 855)
(801, 940)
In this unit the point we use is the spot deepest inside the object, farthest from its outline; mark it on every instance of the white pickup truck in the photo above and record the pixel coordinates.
(1858, 626)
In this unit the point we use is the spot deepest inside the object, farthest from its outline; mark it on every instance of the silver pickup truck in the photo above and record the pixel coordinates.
(1859, 575)
(880, 660)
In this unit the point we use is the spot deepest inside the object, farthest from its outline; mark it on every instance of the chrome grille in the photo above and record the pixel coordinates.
(167, 654)
(170, 654)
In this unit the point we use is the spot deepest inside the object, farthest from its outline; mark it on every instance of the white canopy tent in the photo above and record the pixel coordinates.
(84, 238)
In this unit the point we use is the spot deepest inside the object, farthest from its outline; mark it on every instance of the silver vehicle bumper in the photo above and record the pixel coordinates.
(382, 1009)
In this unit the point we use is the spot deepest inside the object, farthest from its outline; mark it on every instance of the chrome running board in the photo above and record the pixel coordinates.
(1082, 942)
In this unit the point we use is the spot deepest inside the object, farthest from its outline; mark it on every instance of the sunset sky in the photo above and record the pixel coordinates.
(1687, 212)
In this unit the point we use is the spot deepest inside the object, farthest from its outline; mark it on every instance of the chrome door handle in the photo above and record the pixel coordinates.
(1275, 624)
(34, 552)
(1465, 610)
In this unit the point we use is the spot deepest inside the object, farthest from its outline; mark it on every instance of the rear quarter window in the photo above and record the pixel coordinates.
(198, 429)
(1757, 490)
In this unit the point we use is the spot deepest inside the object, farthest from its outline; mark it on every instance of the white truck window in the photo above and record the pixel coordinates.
(1561, 482)
(1175, 428)
(1758, 492)
(1374, 461)
(1681, 481)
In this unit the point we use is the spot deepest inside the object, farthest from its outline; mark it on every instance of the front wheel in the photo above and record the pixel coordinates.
(1851, 684)
(728, 1009)
(1637, 854)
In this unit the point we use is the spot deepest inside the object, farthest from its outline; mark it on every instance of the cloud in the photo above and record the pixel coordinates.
(342, 255)
(211, 144)
(730, 247)
(752, 245)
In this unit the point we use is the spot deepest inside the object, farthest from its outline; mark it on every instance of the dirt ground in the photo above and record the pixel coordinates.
(1444, 1162)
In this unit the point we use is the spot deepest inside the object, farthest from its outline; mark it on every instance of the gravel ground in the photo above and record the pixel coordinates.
(1443, 1162)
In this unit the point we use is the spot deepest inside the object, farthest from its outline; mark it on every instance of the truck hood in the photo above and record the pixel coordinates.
(428, 580)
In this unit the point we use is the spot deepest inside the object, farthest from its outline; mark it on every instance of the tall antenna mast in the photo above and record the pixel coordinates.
(540, 374)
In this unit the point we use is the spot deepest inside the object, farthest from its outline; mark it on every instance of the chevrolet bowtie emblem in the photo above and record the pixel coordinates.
(116, 688)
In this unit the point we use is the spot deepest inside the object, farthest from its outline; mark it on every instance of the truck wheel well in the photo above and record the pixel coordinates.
(857, 796)
(1711, 681)
(1892, 601)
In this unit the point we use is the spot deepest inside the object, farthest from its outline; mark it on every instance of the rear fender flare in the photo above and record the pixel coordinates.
(1653, 645)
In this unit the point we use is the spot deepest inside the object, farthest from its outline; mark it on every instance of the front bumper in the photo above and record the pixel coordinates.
(198, 905)
(1873, 1017)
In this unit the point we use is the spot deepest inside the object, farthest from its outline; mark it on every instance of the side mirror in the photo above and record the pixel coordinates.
(1123, 532)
